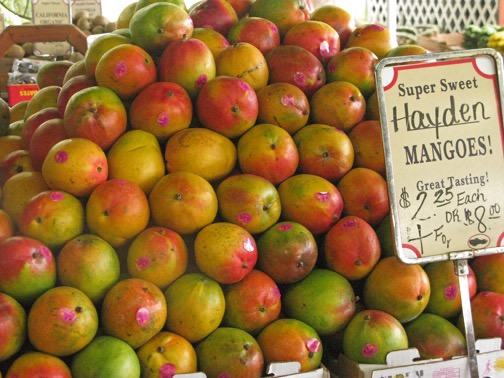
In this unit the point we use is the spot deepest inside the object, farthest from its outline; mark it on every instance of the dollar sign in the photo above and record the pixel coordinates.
(404, 201)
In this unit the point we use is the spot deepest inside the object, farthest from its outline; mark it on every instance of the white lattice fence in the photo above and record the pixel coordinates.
(448, 15)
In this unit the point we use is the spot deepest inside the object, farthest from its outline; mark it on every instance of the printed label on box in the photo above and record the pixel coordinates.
(21, 92)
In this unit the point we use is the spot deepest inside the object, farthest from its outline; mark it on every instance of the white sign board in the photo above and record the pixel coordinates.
(442, 127)
(51, 12)
(93, 7)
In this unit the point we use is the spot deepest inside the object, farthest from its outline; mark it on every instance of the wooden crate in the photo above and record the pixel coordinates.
(42, 33)
(18, 34)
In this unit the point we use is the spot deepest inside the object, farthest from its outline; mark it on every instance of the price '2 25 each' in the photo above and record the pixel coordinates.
(442, 197)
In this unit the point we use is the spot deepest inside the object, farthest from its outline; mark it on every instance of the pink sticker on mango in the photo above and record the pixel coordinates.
(200, 81)
(142, 262)
(163, 119)
(350, 223)
(313, 345)
(61, 156)
(67, 315)
(377, 27)
(288, 100)
(451, 291)
(167, 370)
(369, 350)
(243, 217)
(276, 292)
(244, 85)
(324, 50)
(142, 317)
(299, 78)
(56, 196)
(46, 252)
(322, 196)
(120, 70)
(249, 245)
(285, 227)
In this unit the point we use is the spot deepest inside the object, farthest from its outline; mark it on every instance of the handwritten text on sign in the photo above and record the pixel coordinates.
(444, 128)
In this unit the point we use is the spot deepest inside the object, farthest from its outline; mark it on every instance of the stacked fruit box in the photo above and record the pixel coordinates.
(407, 362)
(205, 192)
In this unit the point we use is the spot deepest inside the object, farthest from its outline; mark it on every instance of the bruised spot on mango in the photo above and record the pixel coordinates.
(331, 67)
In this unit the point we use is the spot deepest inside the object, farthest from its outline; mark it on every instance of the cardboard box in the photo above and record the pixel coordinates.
(21, 92)
(407, 363)
(291, 370)
(278, 370)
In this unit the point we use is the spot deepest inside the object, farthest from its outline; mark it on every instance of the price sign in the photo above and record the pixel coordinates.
(93, 7)
(51, 12)
(442, 128)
